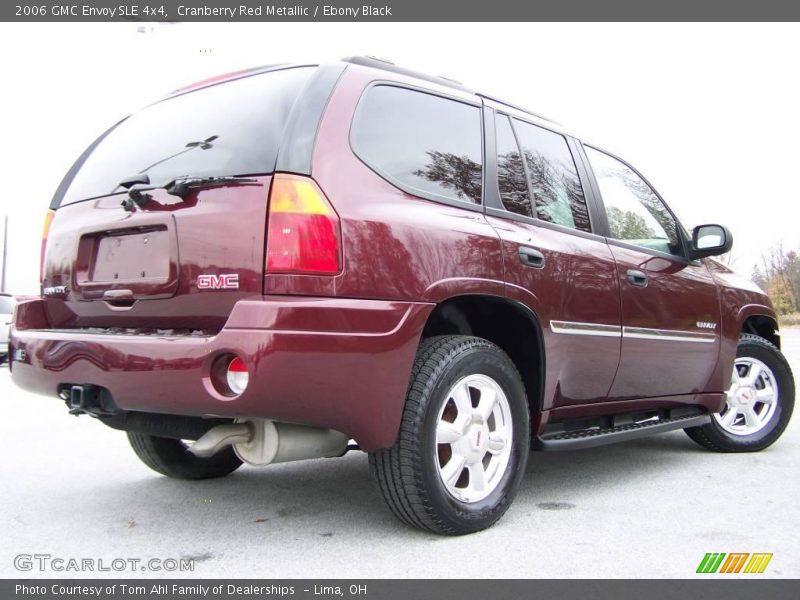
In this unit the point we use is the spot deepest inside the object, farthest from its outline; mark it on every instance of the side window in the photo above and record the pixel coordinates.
(511, 181)
(424, 144)
(635, 213)
(554, 178)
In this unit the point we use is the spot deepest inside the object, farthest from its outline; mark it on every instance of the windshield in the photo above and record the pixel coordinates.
(233, 128)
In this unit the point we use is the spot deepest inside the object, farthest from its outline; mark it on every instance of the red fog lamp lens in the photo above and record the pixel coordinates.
(237, 376)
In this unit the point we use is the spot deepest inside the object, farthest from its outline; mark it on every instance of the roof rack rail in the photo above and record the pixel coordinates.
(387, 65)
(519, 108)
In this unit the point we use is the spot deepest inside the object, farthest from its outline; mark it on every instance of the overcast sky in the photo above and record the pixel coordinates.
(709, 113)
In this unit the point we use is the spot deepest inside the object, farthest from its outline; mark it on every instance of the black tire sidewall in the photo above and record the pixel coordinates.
(489, 361)
(172, 458)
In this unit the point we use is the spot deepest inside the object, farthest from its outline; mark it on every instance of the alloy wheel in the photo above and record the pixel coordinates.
(751, 399)
(473, 438)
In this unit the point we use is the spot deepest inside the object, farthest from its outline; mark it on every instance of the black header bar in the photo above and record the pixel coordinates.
(399, 10)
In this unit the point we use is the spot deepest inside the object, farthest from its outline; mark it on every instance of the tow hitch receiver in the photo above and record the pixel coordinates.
(87, 399)
(77, 399)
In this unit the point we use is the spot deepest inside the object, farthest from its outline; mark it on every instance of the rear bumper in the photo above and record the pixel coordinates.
(337, 363)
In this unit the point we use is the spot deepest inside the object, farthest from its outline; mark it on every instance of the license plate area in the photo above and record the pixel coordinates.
(132, 258)
(142, 260)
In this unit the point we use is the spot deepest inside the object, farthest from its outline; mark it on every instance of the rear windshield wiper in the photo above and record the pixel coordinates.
(138, 186)
(180, 186)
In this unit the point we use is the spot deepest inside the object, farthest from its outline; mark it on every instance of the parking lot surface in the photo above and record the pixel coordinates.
(73, 488)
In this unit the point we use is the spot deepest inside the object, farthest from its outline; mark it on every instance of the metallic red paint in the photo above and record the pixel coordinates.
(335, 363)
(677, 296)
(739, 299)
(214, 231)
(577, 283)
(336, 351)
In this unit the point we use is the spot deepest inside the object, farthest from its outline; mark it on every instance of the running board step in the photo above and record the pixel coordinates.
(559, 438)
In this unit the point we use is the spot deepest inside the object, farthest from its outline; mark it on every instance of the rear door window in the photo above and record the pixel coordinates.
(511, 180)
(232, 128)
(426, 145)
(555, 184)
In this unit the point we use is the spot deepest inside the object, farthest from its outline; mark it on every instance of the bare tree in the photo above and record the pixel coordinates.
(459, 173)
(781, 271)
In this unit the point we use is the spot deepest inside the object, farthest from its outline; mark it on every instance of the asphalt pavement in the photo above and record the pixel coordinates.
(72, 488)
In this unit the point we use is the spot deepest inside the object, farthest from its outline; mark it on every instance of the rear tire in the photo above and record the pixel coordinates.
(456, 381)
(746, 424)
(172, 458)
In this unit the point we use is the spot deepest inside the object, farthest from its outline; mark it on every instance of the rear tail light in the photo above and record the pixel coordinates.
(48, 219)
(303, 229)
(237, 376)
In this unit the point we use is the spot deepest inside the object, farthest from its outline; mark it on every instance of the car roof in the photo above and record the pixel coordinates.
(386, 65)
(232, 75)
(373, 63)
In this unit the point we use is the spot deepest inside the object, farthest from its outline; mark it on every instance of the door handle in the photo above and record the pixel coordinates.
(531, 257)
(637, 278)
(119, 299)
(118, 296)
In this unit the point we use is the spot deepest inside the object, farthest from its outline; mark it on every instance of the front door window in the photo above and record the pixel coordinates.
(635, 213)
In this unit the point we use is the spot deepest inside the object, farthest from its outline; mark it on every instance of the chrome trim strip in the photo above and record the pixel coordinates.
(596, 329)
(638, 333)
(644, 333)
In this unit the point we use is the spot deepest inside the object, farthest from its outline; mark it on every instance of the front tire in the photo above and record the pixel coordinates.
(463, 442)
(172, 458)
(759, 403)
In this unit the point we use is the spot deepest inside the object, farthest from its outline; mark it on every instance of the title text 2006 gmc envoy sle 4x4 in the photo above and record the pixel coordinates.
(265, 266)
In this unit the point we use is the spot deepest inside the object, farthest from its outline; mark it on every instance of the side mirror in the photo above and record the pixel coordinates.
(710, 240)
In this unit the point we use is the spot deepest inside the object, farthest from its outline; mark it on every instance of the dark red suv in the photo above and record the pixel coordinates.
(292, 261)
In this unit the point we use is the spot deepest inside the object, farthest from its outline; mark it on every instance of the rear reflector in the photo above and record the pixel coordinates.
(303, 229)
(48, 219)
(237, 376)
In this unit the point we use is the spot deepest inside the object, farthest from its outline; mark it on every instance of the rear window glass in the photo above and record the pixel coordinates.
(233, 128)
(427, 145)
(555, 184)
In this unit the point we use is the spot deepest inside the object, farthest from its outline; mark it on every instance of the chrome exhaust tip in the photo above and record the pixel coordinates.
(219, 437)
